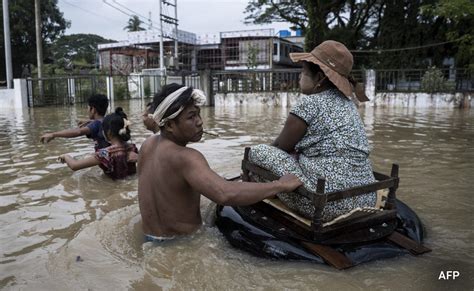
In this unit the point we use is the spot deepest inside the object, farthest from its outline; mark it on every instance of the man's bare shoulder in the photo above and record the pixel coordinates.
(187, 155)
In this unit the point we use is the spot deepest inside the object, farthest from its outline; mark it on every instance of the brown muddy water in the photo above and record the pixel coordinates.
(50, 215)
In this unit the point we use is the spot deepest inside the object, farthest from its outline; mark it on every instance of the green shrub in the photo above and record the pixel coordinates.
(434, 81)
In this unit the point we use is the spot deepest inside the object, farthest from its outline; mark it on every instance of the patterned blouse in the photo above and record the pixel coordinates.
(335, 145)
(117, 161)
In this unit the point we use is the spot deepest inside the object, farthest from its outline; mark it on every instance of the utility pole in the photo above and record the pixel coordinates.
(176, 30)
(39, 46)
(8, 50)
(169, 20)
(161, 40)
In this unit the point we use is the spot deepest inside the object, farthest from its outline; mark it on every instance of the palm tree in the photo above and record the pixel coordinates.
(134, 24)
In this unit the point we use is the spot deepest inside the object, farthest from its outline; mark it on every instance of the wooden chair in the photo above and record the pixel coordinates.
(318, 236)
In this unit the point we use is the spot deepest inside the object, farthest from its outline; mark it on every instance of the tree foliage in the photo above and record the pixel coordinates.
(458, 16)
(76, 50)
(22, 32)
(379, 26)
(133, 24)
(345, 21)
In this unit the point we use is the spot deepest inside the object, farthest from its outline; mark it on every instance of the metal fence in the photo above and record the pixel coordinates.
(262, 80)
(422, 80)
(77, 89)
(64, 90)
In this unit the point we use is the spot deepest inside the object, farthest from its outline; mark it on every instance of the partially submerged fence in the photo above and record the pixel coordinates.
(76, 89)
(429, 81)
(283, 80)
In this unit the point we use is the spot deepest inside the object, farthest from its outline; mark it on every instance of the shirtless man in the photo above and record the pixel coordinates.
(172, 177)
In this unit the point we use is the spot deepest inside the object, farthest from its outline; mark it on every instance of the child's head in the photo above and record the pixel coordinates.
(116, 125)
(99, 102)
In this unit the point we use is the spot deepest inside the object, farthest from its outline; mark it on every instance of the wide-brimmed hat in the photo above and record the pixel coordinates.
(336, 61)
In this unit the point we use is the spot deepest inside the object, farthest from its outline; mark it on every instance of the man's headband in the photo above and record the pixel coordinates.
(196, 94)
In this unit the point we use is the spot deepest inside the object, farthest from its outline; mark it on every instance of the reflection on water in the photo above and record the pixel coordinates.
(80, 230)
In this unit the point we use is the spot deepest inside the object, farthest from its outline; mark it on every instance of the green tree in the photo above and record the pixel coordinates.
(79, 50)
(252, 53)
(458, 17)
(347, 21)
(22, 32)
(404, 26)
(134, 24)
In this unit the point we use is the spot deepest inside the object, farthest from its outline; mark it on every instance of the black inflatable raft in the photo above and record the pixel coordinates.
(269, 229)
(247, 229)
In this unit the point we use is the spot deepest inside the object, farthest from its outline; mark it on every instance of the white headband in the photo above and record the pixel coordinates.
(197, 95)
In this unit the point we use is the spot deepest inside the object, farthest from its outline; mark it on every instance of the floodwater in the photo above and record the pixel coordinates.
(63, 230)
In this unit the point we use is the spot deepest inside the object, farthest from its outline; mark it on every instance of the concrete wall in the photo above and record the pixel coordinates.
(280, 99)
(16, 97)
(423, 100)
(389, 99)
(288, 99)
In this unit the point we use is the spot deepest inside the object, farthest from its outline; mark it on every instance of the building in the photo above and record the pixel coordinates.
(232, 50)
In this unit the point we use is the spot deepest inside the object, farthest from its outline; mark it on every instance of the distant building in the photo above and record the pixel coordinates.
(233, 50)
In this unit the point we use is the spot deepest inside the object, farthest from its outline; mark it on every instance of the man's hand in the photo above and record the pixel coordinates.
(289, 182)
(45, 138)
(149, 122)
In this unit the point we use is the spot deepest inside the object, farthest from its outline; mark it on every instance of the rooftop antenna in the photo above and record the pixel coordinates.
(150, 22)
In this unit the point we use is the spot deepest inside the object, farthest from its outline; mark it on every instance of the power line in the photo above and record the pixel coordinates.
(88, 11)
(134, 12)
(404, 49)
(126, 13)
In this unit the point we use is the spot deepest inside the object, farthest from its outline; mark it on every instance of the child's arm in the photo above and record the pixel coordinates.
(73, 132)
(79, 164)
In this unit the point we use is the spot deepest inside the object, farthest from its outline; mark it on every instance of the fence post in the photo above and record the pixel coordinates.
(206, 86)
(110, 88)
(71, 90)
(20, 93)
(370, 85)
(141, 86)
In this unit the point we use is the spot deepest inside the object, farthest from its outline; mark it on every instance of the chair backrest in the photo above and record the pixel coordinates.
(320, 198)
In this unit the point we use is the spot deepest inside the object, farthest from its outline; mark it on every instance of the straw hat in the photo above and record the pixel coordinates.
(336, 61)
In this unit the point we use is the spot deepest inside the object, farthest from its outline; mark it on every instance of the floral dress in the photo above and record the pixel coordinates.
(334, 146)
(118, 161)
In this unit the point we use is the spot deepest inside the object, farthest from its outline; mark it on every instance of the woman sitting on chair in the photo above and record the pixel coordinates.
(323, 135)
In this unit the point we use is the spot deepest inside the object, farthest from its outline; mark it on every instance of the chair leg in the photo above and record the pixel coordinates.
(407, 243)
(329, 255)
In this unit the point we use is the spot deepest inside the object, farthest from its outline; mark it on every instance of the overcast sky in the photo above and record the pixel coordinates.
(198, 16)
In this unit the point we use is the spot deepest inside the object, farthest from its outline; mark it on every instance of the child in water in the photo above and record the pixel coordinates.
(117, 160)
(91, 128)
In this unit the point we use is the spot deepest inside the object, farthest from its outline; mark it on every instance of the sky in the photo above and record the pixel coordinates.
(198, 16)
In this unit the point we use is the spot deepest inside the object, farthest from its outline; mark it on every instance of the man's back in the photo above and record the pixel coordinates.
(167, 202)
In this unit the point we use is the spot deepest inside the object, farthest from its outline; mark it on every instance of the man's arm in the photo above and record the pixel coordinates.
(206, 182)
(68, 133)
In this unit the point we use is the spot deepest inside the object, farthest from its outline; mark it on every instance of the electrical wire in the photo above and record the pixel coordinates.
(404, 49)
(88, 11)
